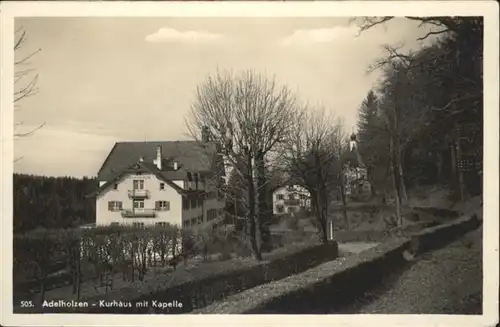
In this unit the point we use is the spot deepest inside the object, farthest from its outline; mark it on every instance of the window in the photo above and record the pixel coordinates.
(115, 187)
(162, 205)
(138, 225)
(189, 177)
(193, 221)
(162, 186)
(114, 205)
(185, 204)
(280, 209)
(291, 196)
(185, 223)
(138, 184)
(161, 224)
(138, 204)
(280, 197)
(303, 196)
(194, 203)
(200, 219)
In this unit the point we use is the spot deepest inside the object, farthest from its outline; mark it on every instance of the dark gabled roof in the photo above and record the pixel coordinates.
(192, 156)
(291, 181)
(143, 167)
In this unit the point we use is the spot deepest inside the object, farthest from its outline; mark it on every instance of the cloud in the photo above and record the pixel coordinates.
(320, 35)
(166, 34)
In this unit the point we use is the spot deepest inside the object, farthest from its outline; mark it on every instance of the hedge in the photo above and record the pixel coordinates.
(313, 288)
(441, 235)
(439, 212)
(39, 255)
(224, 280)
(337, 283)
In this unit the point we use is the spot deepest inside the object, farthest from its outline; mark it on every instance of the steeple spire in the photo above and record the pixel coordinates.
(352, 143)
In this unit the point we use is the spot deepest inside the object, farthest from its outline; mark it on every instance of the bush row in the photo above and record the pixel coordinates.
(317, 288)
(440, 235)
(226, 278)
(334, 284)
(41, 254)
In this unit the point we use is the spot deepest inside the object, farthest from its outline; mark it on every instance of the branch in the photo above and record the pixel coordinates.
(394, 57)
(27, 57)
(453, 101)
(449, 22)
(20, 41)
(369, 22)
(30, 132)
(432, 33)
(18, 159)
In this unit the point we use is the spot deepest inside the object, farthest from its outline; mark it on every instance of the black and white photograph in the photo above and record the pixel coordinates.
(325, 160)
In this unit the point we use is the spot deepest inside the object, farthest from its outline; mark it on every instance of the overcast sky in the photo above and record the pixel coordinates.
(103, 80)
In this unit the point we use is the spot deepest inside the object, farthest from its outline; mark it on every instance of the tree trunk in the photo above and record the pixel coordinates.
(78, 275)
(402, 184)
(344, 205)
(262, 212)
(44, 262)
(439, 166)
(252, 227)
(398, 153)
(395, 177)
(453, 165)
(373, 190)
(316, 204)
(461, 185)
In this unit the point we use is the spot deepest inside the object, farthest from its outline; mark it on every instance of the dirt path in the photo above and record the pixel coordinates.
(445, 281)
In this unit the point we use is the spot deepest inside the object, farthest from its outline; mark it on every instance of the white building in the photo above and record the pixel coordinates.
(290, 199)
(154, 183)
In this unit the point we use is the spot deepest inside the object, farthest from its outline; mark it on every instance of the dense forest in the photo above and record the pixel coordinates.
(52, 202)
(423, 123)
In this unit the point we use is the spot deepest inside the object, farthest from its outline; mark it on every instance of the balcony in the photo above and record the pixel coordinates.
(138, 194)
(291, 202)
(138, 213)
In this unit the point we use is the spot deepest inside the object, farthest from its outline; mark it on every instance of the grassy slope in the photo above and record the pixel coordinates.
(446, 281)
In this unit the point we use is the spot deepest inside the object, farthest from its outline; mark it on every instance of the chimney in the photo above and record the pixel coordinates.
(158, 157)
(176, 165)
(205, 134)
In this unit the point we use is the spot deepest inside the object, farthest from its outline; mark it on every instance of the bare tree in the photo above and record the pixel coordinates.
(455, 57)
(247, 115)
(439, 25)
(313, 156)
(25, 78)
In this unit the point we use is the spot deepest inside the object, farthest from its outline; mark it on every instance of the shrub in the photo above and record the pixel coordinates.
(94, 254)
(215, 281)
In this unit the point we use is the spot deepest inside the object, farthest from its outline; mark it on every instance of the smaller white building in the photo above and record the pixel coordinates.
(289, 199)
